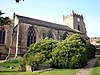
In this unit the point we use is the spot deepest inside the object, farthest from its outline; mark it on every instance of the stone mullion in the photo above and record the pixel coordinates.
(58, 35)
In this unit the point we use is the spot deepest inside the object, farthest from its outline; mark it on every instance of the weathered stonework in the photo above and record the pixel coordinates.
(4, 48)
(17, 34)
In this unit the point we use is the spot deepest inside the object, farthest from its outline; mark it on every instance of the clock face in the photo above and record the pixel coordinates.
(78, 19)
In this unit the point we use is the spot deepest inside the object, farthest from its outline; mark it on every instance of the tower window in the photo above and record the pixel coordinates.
(78, 27)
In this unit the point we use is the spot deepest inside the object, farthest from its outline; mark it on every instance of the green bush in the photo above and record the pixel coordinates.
(71, 53)
(40, 52)
(91, 49)
(59, 56)
(36, 60)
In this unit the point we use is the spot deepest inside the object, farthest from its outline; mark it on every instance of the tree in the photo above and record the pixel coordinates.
(1, 13)
(70, 53)
(91, 49)
(73, 52)
(40, 52)
(17, 1)
(4, 20)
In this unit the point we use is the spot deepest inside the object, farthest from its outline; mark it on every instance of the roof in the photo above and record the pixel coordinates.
(32, 21)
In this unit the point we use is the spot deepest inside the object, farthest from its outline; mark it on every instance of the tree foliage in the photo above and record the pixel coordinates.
(17, 1)
(73, 52)
(40, 52)
(1, 13)
(4, 20)
(91, 49)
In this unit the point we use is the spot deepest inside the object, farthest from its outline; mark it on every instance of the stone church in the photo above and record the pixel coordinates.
(16, 38)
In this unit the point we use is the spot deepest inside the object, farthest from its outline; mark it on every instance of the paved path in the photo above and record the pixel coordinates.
(87, 69)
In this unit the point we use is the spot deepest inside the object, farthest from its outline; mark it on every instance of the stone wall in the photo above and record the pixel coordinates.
(4, 48)
(3, 52)
(40, 30)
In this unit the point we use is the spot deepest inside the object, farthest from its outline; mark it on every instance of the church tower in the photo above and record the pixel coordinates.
(75, 21)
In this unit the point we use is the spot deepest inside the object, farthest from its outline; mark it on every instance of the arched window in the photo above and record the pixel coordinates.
(44, 35)
(50, 35)
(65, 35)
(31, 36)
(78, 27)
(2, 36)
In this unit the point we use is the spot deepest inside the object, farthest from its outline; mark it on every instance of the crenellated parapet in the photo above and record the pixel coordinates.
(77, 15)
(74, 15)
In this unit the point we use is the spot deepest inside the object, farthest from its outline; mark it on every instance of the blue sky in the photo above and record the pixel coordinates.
(53, 11)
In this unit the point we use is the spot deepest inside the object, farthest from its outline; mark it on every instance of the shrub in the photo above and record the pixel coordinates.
(40, 52)
(91, 49)
(71, 53)
(59, 56)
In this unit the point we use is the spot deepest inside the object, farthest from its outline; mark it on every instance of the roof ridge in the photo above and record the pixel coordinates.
(44, 23)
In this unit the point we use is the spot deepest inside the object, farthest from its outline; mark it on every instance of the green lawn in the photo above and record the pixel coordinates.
(15, 64)
(52, 72)
(96, 68)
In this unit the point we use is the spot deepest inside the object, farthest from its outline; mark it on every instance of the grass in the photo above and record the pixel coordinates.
(52, 72)
(10, 65)
(96, 68)
(14, 71)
